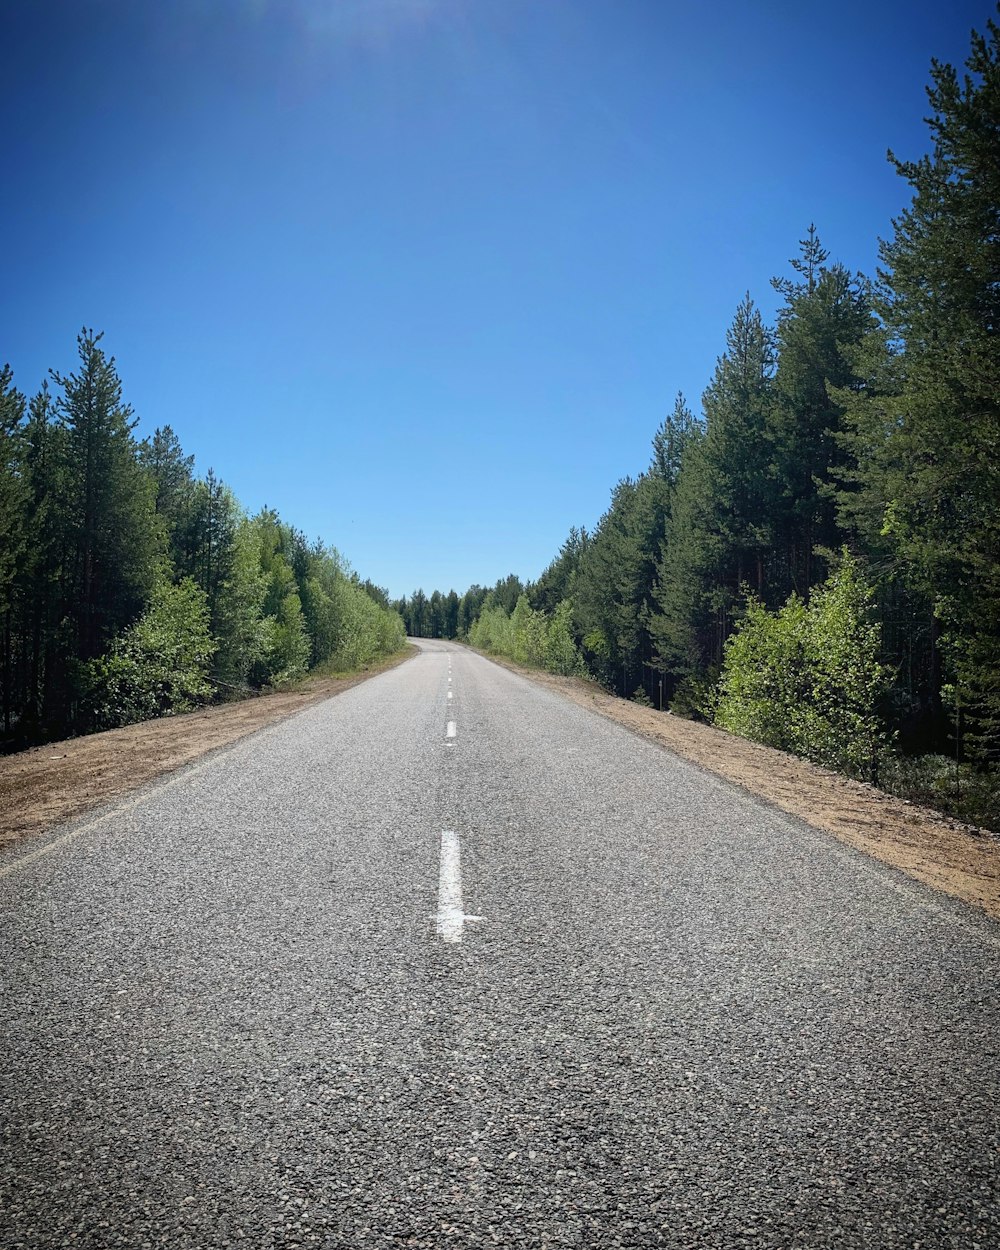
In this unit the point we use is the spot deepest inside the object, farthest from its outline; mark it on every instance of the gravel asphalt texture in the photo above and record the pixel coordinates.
(685, 1020)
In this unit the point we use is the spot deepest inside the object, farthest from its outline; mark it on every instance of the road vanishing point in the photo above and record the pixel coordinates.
(448, 961)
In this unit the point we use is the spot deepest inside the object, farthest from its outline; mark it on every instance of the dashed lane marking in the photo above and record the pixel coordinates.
(451, 915)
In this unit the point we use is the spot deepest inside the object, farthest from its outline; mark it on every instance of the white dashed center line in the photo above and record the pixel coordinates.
(451, 729)
(450, 916)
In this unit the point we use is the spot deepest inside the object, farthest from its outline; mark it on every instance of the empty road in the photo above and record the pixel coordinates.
(450, 961)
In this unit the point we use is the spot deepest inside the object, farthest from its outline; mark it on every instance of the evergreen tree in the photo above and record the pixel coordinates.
(682, 621)
(211, 518)
(826, 315)
(435, 615)
(41, 650)
(558, 580)
(13, 498)
(469, 607)
(670, 440)
(719, 530)
(450, 615)
(173, 475)
(418, 622)
(117, 540)
(924, 483)
(614, 584)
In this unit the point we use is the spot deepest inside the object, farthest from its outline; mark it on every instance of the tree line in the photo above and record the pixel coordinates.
(813, 560)
(131, 588)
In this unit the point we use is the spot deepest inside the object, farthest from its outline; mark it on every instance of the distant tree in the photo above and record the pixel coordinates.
(671, 439)
(418, 623)
(173, 475)
(507, 591)
(450, 615)
(435, 615)
(469, 607)
(558, 581)
(377, 594)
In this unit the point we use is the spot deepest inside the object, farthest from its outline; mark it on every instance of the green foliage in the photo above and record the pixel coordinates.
(492, 631)
(808, 678)
(826, 315)
(561, 654)
(961, 789)
(156, 667)
(12, 487)
(719, 528)
(528, 629)
(697, 696)
(614, 581)
(558, 582)
(365, 631)
(94, 530)
(244, 634)
(529, 637)
(923, 485)
(114, 541)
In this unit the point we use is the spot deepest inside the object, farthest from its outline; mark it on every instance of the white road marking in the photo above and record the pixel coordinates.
(449, 694)
(449, 683)
(450, 915)
(451, 729)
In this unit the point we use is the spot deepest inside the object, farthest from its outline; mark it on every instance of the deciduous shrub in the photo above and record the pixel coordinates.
(808, 678)
(157, 666)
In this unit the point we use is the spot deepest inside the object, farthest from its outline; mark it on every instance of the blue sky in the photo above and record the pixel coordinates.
(425, 275)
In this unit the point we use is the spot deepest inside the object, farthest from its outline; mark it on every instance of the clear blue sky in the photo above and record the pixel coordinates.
(425, 275)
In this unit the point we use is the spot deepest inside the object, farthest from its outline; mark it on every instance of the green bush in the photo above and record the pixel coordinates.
(529, 637)
(808, 678)
(157, 666)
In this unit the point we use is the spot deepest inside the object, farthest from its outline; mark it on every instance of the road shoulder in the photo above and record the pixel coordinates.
(61, 781)
(957, 859)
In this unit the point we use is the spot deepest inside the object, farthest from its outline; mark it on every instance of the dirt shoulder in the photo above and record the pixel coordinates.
(958, 859)
(51, 784)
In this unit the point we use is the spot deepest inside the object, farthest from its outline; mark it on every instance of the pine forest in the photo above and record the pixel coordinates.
(131, 589)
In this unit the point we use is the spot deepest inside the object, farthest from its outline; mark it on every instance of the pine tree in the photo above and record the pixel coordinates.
(614, 584)
(42, 659)
(558, 579)
(670, 440)
(13, 500)
(926, 469)
(718, 533)
(173, 475)
(826, 315)
(117, 541)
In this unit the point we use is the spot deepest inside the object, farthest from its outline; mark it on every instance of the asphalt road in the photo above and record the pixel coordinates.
(251, 1007)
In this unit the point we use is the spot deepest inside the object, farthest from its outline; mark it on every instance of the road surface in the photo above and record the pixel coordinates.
(449, 961)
